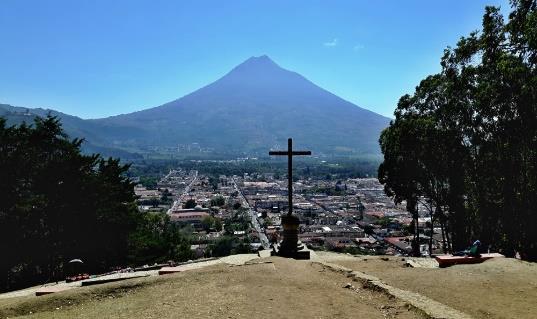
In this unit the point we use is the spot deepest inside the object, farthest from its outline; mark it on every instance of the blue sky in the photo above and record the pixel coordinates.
(100, 58)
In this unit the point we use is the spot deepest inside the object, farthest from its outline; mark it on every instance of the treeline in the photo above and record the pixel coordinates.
(150, 171)
(57, 204)
(464, 145)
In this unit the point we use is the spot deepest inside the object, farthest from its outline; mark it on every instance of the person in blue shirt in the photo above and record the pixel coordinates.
(472, 251)
(475, 249)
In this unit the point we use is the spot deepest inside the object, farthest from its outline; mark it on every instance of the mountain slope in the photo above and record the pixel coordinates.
(253, 108)
(257, 106)
(95, 135)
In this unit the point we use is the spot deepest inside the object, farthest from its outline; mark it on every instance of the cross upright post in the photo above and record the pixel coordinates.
(290, 246)
(290, 153)
(290, 174)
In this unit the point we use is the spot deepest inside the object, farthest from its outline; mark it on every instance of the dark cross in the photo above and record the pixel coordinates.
(290, 153)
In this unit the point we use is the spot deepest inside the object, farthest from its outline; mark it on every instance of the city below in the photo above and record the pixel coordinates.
(350, 215)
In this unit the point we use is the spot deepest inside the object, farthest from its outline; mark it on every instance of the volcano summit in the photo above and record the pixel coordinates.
(256, 106)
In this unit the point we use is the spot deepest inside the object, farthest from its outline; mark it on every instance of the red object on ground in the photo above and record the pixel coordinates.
(449, 260)
(51, 290)
(77, 277)
(169, 270)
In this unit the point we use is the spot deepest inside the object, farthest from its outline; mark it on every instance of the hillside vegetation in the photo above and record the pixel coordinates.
(58, 204)
(464, 145)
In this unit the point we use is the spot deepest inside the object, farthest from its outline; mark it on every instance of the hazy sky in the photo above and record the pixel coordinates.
(100, 58)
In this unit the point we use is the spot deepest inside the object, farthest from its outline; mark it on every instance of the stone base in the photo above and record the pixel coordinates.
(290, 246)
(297, 254)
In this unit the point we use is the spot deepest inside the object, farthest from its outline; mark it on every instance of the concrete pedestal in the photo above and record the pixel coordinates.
(290, 246)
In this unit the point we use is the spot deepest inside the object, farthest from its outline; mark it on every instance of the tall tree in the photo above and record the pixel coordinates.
(58, 204)
(478, 162)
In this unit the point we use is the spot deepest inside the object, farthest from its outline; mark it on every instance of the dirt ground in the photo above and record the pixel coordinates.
(279, 289)
(498, 288)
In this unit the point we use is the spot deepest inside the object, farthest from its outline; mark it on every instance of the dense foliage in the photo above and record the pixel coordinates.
(58, 204)
(465, 144)
(157, 239)
(150, 171)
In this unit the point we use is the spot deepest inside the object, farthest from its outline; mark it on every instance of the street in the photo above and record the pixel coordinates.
(253, 216)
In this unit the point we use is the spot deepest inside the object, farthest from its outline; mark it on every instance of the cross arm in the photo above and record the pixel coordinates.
(301, 153)
(292, 153)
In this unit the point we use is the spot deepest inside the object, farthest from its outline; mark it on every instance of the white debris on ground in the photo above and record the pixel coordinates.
(421, 263)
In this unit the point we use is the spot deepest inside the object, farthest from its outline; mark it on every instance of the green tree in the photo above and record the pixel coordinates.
(157, 239)
(399, 170)
(222, 246)
(189, 204)
(472, 153)
(218, 224)
(59, 204)
(207, 223)
(237, 205)
(149, 182)
(218, 201)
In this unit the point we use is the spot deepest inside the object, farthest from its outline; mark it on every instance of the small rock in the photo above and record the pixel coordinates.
(348, 286)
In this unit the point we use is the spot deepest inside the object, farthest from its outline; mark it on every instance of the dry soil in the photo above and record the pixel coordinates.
(268, 288)
(497, 288)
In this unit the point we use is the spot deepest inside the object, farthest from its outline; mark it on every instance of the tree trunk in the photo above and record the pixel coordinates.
(448, 238)
(431, 237)
(416, 246)
(442, 229)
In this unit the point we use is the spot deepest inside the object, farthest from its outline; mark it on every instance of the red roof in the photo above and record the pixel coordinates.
(187, 216)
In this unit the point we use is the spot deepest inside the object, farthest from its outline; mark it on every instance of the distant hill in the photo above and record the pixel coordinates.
(253, 108)
(93, 133)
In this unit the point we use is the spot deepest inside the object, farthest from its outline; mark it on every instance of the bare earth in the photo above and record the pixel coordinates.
(498, 288)
(245, 286)
(266, 288)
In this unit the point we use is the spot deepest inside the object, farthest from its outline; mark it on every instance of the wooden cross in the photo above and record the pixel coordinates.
(290, 153)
